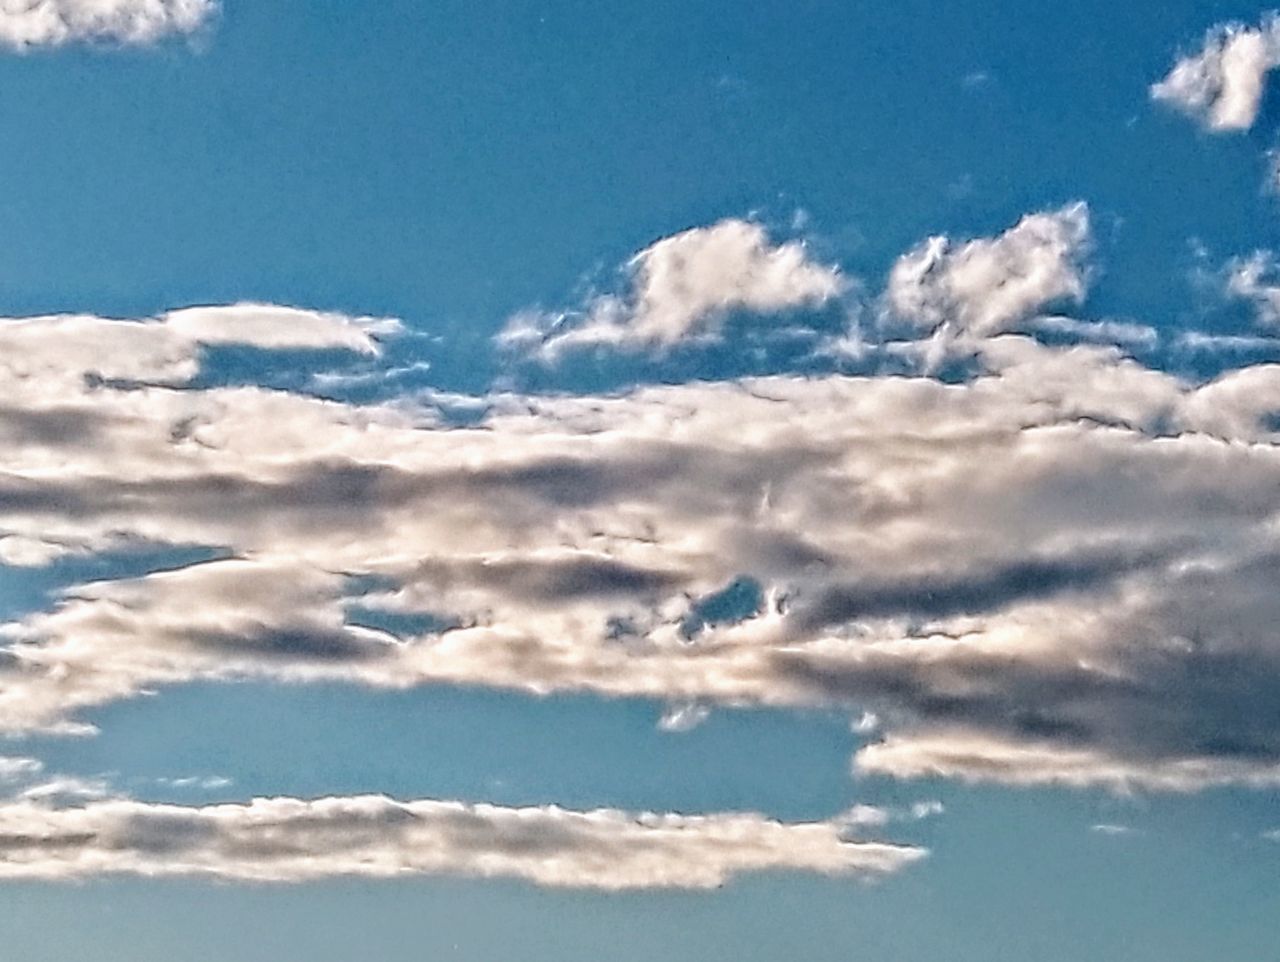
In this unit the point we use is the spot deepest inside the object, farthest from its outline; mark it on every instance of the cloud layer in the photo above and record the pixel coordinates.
(372, 836)
(1059, 570)
(51, 23)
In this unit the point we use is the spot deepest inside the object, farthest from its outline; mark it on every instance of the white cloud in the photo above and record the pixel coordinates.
(204, 783)
(41, 353)
(1107, 828)
(983, 287)
(1256, 279)
(681, 288)
(1202, 343)
(1222, 85)
(272, 327)
(683, 718)
(976, 757)
(372, 836)
(14, 769)
(36, 23)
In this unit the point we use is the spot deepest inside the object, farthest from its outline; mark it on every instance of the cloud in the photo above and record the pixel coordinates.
(975, 757)
(52, 23)
(1256, 280)
(1222, 85)
(15, 769)
(1106, 828)
(986, 286)
(272, 327)
(372, 836)
(1201, 343)
(681, 289)
(61, 352)
(1059, 570)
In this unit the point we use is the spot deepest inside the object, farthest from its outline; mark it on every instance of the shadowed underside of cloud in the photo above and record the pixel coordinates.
(51, 23)
(1060, 570)
(1221, 86)
(294, 840)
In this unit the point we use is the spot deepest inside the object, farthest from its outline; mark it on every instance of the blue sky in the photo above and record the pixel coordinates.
(564, 480)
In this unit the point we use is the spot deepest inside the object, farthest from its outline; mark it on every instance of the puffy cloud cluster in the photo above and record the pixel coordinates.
(1222, 85)
(38, 23)
(293, 840)
(681, 289)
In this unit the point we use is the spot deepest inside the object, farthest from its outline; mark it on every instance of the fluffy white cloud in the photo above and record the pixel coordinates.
(681, 288)
(986, 286)
(1221, 86)
(272, 327)
(294, 840)
(35, 23)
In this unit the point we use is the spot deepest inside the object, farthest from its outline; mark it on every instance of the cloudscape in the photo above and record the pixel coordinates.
(566, 481)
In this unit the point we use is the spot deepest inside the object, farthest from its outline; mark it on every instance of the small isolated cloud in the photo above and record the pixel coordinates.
(983, 287)
(1200, 342)
(372, 836)
(1125, 333)
(1222, 85)
(681, 289)
(204, 783)
(1272, 836)
(1105, 828)
(53, 23)
(273, 327)
(683, 718)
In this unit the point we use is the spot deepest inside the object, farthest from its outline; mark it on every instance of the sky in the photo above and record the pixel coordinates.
(564, 481)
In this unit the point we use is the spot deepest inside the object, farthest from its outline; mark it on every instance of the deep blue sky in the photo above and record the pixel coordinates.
(452, 163)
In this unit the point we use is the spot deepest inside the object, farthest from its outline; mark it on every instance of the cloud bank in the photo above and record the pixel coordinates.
(1058, 570)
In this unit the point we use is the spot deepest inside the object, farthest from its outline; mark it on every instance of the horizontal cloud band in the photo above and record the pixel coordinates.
(293, 840)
